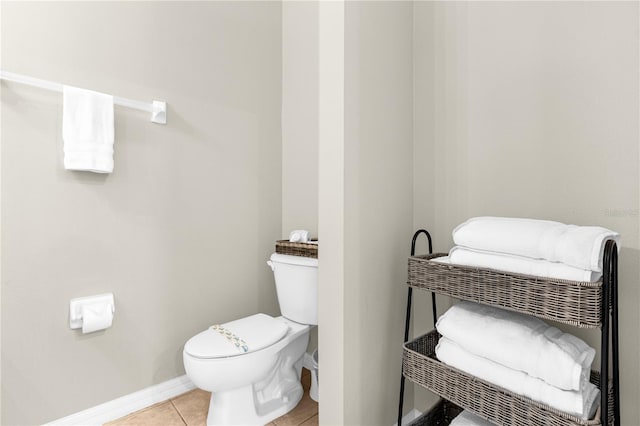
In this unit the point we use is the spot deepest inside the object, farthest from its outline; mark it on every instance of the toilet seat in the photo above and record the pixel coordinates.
(257, 331)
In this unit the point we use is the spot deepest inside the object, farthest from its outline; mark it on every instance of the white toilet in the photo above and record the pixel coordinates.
(252, 365)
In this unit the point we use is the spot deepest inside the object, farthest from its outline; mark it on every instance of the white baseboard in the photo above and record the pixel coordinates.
(127, 404)
(410, 416)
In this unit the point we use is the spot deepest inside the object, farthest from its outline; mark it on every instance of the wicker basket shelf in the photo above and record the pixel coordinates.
(441, 414)
(496, 404)
(570, 302)
(297, 249)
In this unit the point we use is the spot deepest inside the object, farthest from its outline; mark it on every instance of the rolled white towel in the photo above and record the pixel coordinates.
(578, 246)
(519, 342)
(467, 418)
(299, 236)
(520, 265)
(581, 403)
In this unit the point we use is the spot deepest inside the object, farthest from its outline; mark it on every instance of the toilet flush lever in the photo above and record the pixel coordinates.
(270, 263)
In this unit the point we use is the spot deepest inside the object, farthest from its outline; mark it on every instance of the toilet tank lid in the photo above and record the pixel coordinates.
(294, 260)
(237, 337)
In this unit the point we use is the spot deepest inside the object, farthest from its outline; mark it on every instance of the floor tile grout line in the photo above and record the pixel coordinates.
(310, 417)
(179, 413)
(302, 422)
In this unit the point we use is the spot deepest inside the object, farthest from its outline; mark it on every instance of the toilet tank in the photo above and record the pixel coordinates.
(297, 287)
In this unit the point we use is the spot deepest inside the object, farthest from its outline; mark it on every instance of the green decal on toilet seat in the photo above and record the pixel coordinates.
(240, 344)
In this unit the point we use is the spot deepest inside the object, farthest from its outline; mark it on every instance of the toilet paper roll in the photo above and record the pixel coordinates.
(96, 316)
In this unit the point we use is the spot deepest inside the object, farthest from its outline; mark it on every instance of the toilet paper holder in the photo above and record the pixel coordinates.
(75, 307)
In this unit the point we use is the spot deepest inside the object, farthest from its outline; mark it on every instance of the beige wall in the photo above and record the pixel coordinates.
(299, 116)
(331, 212)
(365, 209)
(378, 204)
(531, 109)
(181, 229)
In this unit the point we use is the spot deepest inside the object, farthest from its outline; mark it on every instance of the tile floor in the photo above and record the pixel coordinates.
(190, 409)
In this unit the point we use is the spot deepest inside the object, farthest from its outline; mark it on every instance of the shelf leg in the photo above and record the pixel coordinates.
(614, 337)
(406, 337)
(610, 312)
(433, 308)
(408, 318)
(604, 360)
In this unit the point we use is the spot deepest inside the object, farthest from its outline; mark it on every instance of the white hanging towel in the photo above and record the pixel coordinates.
(87, 130)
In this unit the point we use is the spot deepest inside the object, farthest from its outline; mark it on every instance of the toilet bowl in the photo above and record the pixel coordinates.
(252, 365)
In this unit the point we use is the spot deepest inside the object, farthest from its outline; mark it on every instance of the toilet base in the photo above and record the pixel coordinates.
(260, 403)
(271, 374)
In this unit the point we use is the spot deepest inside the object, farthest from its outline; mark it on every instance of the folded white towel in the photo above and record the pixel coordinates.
(87, 130)
(578, 246)
(582, 403)
(519, 342)
(467, 418)
(520, 265)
